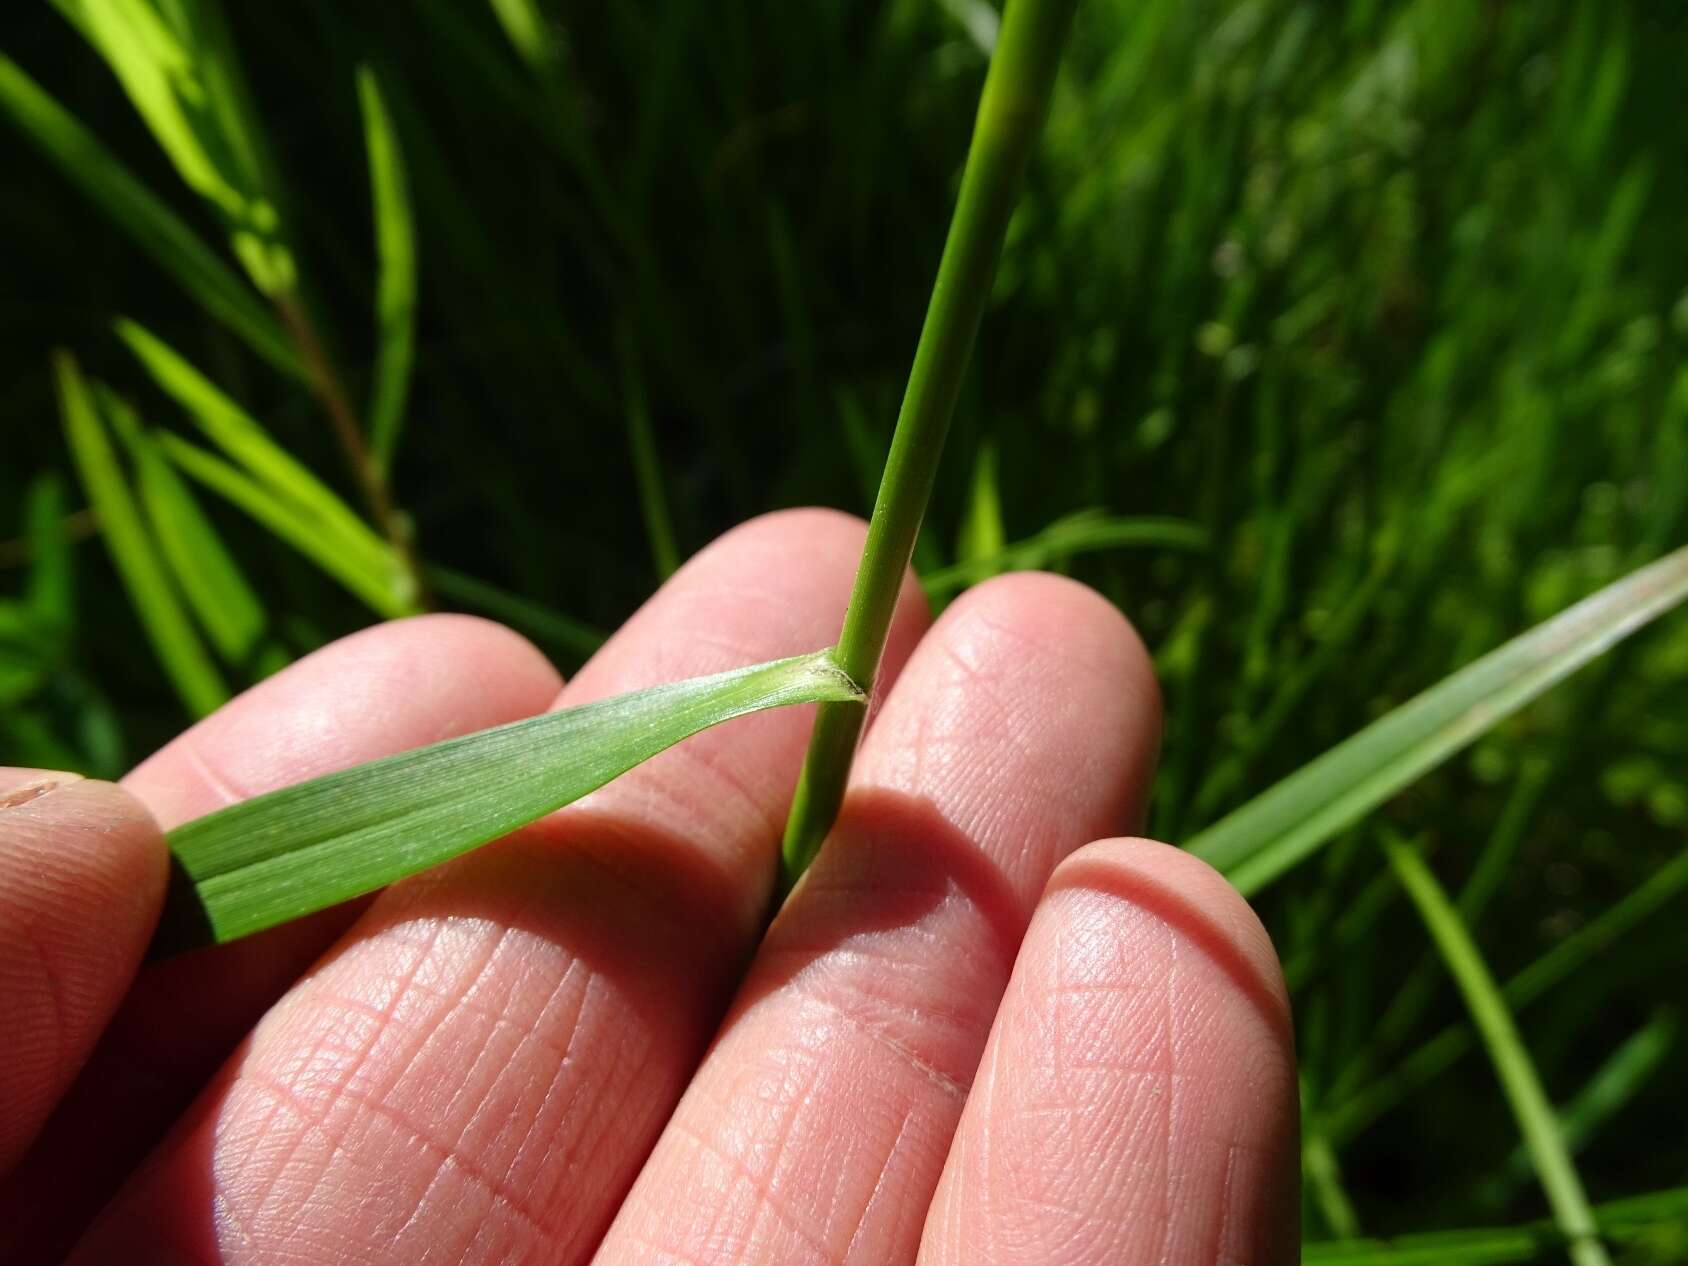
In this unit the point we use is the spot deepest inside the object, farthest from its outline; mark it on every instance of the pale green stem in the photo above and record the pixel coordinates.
(1011, 110)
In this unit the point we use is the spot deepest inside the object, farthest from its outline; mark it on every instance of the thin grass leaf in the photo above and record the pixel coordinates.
(172, 635)
(1524, 988)
(366, 571)
(279, 856)
(1619, 1220)
(179, 72)
(647, 464)
(982, 540)
(539, 622)
(239, 435)
(135, 210)
(1614, 1085)
(395, 289)
(1086, 532)
(206, 572)
(1537, 1120)
(48, 594)
(525, 27)
(1256, 843)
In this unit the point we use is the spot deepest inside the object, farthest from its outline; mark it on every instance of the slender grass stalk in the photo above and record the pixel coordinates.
(1357, 1112)
(1537, 1120)
(1011, 111)
(647, 463)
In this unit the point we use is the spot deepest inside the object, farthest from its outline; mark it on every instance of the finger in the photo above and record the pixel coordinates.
(1137, 1102)
(376, 692)
(477, 1070)
(82, 869)
(815, 1132)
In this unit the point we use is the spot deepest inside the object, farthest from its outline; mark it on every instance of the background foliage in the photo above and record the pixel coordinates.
(1390, 301)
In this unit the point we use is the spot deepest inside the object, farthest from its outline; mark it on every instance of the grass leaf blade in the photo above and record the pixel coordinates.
(303, 848)
(1537, 1120)
(395, 290)
(178, 646)
(149, 223)
(364, 569)
(1256, 843)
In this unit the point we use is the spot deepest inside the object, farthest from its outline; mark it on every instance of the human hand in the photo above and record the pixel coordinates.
(521, 1057)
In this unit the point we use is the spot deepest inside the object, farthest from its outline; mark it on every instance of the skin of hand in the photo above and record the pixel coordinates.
(986, 1028)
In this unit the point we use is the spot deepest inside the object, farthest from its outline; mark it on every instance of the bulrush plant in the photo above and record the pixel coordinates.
(288, 853)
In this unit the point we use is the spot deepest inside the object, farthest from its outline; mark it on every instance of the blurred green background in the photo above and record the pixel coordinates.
(1386, 304)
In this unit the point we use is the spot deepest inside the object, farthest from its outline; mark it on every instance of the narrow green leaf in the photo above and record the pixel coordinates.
(239, 435)
(210, 579)
(1083, 533)
(303, 848)
(173, 638)
(1619, 1220)
(982, 540)
(1256, 843)
(134, 209)
(366, 570)
(525, 26)
(49, 593)
(647, 463)
(1537, 1120)
(1655, 892)
(539, 622)
(395, 290)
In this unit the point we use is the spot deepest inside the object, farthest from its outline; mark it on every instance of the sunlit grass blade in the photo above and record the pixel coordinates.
(210, 579)
(365, 567)
(1083, 533)
(1537, 1120)
(1621, 1221)
(395, 287)
(172, 635)
(1273, 832)
(544, 625)
(239, 435)
(982, 540)
(282, 855)
(136, 211)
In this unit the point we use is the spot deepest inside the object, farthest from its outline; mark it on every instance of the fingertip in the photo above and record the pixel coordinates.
(82, 873)
(1194, 901)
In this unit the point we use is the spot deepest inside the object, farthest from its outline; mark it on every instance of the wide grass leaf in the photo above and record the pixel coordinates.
(1256, 843)
(279, 856)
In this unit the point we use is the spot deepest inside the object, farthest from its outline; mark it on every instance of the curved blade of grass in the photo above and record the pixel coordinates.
(135, 210)
(210, 579)
(1537, 1120)
(303, 848)
(240, 435)
(1256, 843)
(172, 635)
(1083, 533)
(395, 289)
(1619, 1220)
(366, 569)
(1441, 1051)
